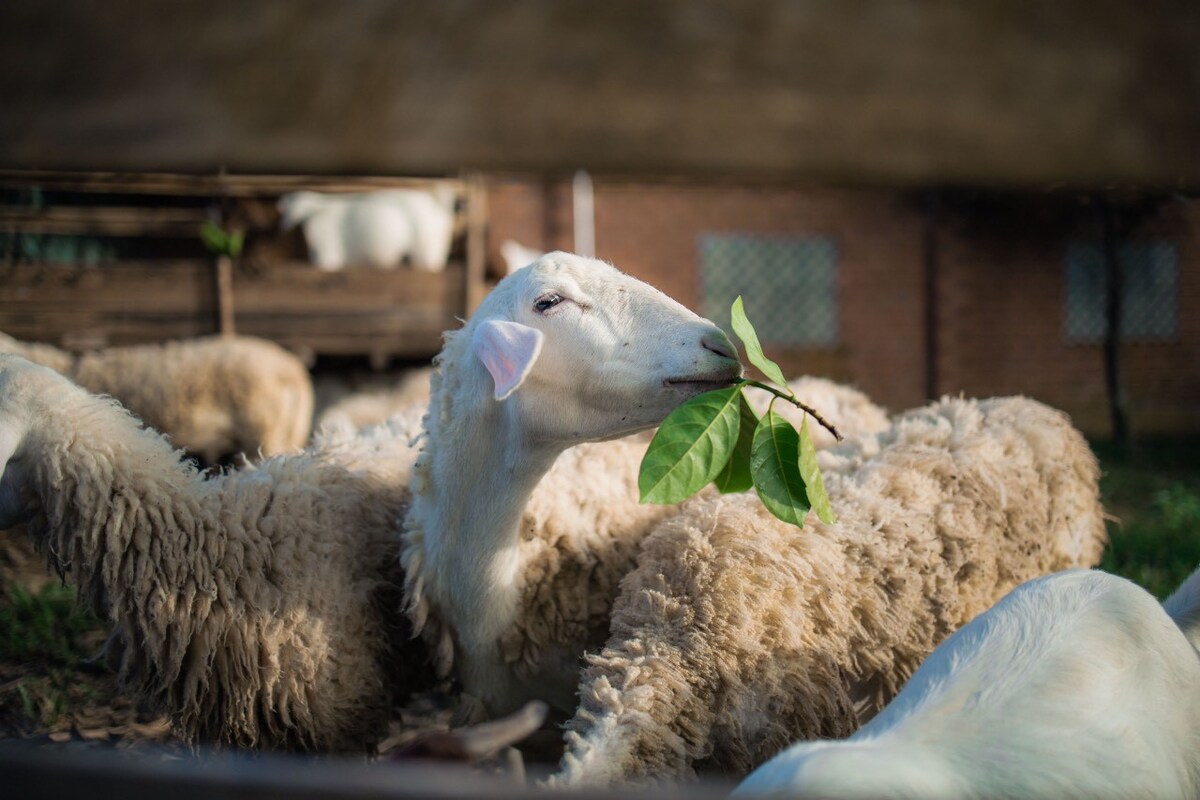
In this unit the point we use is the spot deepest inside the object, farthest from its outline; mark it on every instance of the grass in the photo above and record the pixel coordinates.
(46, 626)
(44, 639)
(1154, 493)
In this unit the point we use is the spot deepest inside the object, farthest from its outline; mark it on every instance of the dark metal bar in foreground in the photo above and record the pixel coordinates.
(52, 773)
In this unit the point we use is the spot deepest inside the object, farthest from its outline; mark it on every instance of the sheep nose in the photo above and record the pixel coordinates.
(717, 342)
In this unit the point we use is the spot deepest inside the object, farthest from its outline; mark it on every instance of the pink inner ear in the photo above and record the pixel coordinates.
(508, 350)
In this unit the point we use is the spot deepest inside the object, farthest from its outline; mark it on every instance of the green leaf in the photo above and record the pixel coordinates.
(814, 484)
(220, 242)
(214, 238)
(692, 445)
(237, 240)
(736, 476)
(775, 464)
(745, 331)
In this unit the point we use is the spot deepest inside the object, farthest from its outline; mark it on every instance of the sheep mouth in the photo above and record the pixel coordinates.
(701, 384)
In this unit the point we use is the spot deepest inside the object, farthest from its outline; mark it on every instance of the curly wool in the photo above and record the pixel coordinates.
(215, 396)
(365, 408)
(256, 607)
(738, 633)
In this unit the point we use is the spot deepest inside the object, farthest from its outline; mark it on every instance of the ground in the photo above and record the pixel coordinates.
(55, 691)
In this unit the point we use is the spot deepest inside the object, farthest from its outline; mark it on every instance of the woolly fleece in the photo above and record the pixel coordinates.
(215, 397)
(257, 607)
(738, 634)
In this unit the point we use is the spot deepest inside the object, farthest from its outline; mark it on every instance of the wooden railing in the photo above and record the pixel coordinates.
(379, 313)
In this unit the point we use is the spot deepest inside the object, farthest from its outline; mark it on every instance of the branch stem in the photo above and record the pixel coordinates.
(802, 406)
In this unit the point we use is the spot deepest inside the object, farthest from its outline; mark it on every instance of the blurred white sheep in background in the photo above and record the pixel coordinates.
(377, 229)
(517, 255)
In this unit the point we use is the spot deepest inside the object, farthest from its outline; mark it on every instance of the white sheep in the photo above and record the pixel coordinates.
(1077, 684)
(510, 588)
(517, 255)
(215, 396)
(738, 633)
(365, 408)
(257, 606)
(378, 229)
(579, 532)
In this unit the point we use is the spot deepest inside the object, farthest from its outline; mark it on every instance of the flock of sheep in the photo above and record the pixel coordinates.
(918, 647)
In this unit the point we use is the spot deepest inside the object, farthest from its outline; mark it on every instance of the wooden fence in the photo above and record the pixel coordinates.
(381, 314)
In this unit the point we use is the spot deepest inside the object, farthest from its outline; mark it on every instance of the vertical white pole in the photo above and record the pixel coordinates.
(585, 214)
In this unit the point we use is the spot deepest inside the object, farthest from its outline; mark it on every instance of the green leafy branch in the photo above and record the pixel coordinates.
(717, 438)
(221, 242)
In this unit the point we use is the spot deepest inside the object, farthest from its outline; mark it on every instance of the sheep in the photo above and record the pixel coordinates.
(39, 353)
(579, 533)
(1077, 684)
(509, 592)
(254, 603)
(215, 396)
(378, 229)
(363, 409)
(517, 255)
(257, 606)
(737, 633)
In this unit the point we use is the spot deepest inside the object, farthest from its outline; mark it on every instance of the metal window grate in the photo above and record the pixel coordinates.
(788, 285)
(1149, 298)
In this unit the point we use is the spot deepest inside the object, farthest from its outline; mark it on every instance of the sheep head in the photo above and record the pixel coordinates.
(584, 352)
(296, 207)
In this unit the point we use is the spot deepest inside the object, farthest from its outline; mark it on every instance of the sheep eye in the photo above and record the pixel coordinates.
(547, 302)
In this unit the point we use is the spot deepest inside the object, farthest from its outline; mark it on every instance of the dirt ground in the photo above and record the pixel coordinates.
(53, 703)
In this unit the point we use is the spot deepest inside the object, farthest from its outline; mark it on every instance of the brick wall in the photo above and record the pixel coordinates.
(1001, 329)
(999, 291)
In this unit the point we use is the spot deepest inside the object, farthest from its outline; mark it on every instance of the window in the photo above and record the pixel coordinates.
(788, 285)
(1149, 296)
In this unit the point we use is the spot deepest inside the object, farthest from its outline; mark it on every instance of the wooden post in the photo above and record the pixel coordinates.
(1113, 381)
(476, 288)
(225, 295)
(929, 256)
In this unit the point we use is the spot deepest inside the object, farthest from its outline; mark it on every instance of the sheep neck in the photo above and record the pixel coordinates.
(482, 471)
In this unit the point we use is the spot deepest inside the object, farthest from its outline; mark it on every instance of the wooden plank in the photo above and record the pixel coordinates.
(353, 311)
(476, 287)
(174, 287)
(104, 221)
(884, 92)
(128, 303)
(216, 185)
(223, 273)
(301, 288)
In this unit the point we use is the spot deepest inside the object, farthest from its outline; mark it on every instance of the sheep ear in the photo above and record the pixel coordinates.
(508, 350)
